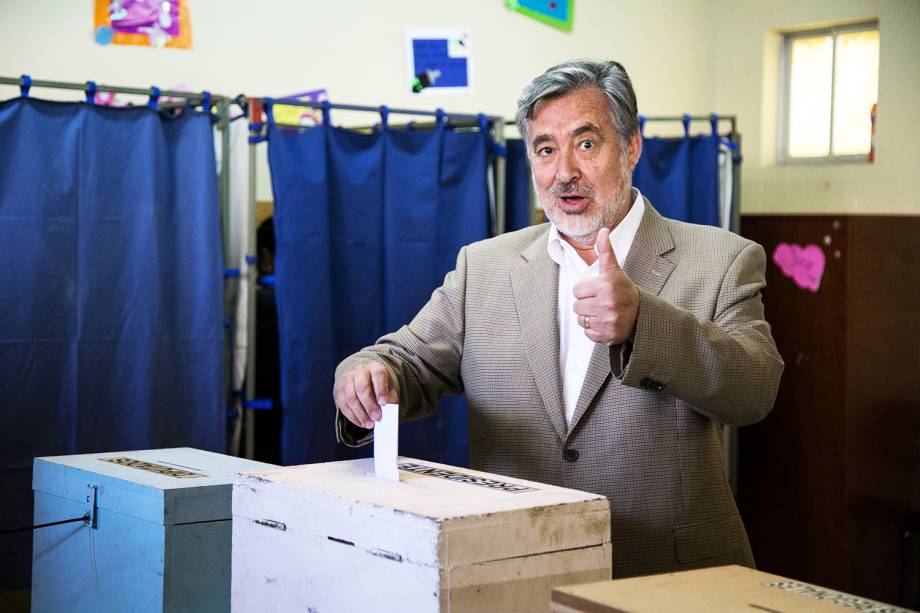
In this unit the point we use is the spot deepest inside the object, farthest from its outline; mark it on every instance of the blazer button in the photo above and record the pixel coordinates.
(570, 455)
(645, 382)
(657, 386)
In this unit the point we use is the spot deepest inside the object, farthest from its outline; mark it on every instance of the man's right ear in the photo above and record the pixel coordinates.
(635, 149)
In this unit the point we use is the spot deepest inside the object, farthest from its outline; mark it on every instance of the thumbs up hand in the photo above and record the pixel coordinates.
(608, 259)
(607, 305)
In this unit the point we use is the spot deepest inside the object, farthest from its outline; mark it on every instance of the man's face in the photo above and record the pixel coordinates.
(581, 173)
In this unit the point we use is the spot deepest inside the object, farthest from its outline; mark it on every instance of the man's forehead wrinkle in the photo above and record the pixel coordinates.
(584, 111)
(586, 127)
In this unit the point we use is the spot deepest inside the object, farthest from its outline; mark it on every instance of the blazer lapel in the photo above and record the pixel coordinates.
(647, 269)
(645, 264)
(535, 286)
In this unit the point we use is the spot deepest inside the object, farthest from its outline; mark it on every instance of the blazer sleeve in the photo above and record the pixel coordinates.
(423, 357)
(728, 368)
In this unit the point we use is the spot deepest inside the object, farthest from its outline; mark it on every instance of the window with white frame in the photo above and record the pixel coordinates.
(829, 94)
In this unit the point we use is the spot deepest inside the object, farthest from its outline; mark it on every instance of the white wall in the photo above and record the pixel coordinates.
(747, 74)
(355, 49)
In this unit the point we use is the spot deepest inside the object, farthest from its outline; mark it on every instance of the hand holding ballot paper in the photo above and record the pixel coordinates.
(367, 397)
(363, 391)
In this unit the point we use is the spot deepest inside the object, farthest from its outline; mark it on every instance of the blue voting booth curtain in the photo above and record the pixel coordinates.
(366, 227)
(680, 176)
(111, 327)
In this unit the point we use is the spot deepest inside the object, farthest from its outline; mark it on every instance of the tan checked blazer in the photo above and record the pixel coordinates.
(646, 426)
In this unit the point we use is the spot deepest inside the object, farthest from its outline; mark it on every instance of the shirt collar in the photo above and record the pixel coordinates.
(621, 237)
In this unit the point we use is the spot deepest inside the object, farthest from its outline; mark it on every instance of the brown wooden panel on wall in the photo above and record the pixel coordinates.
(827, 482)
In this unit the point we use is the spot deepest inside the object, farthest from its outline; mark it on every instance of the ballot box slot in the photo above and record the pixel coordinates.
(204, 521)
(167, 469)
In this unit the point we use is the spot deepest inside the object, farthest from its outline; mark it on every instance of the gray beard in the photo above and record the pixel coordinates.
(583, 227)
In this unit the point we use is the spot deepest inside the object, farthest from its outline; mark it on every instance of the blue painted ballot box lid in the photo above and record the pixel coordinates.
(163, 486)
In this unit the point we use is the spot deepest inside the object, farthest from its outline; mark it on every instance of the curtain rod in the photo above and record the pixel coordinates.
(372, 109)
(729, 118)
(691, 117)
(111, 88)
(422, 125)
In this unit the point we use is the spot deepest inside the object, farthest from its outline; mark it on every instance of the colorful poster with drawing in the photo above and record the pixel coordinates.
(150, 23)
(557, 13)
(294, 115)
(439, 61)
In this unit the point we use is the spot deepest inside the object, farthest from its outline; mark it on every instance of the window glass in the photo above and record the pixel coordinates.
(855, 91)
(830, 93)
(810, 75)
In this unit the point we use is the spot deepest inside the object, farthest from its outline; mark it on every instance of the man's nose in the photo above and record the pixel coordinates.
(567, 170)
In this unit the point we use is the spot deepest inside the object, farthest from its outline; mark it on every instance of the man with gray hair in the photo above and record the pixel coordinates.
(601, 351)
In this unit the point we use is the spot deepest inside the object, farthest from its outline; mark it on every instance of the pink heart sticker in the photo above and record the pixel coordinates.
(805, 265)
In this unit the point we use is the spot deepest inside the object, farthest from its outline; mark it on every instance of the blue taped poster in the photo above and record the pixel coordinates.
(439, 61)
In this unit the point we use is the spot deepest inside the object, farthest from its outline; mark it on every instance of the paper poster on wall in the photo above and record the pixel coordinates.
(149, 23)
(804, 265)
(290, 114)
(439, 61)
(557, 13)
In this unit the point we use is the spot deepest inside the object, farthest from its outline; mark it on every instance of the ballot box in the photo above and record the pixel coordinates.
(333, 537)
(722, 589)
(156, 538)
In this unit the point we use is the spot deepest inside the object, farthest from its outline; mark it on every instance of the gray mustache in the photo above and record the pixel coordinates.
(572, 188)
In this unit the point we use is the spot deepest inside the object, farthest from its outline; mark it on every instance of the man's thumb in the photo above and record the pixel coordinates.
(608, 259)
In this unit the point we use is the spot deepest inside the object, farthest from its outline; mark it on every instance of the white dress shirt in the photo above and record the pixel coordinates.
(574, 347)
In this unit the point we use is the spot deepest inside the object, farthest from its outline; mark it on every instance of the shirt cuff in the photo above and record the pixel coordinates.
(349, 434)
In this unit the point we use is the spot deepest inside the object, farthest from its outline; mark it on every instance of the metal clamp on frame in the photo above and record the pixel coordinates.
(90, 516)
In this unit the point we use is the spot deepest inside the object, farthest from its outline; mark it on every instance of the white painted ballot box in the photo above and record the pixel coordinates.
(332, 537)
(161, 540)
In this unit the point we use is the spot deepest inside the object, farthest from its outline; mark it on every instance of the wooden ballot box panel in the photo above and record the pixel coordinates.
(723, 589)
(162, 535)
(333, 537)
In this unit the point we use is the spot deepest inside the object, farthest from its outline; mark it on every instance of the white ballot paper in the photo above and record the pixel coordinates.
(386, 441)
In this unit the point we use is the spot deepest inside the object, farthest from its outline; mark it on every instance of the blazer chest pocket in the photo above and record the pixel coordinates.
(721, 537)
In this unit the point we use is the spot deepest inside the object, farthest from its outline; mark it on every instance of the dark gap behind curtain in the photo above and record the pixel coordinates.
(111, 334)
(680, 176)
(367, 225)
(517, 186)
